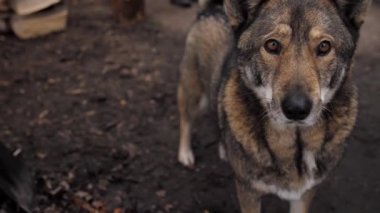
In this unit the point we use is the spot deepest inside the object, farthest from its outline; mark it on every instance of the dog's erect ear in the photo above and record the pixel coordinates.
(238, 11)
(354, 10)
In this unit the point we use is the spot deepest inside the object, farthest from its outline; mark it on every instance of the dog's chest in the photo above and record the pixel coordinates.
(297, 187)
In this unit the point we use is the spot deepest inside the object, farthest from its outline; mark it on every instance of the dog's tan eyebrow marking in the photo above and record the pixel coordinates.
(317, 33)
(282, 30)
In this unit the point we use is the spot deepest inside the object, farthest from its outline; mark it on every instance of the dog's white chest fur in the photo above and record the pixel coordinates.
(293, 194)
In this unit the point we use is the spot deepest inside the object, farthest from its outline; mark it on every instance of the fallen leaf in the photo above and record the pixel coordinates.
(41, 155)
(65, 185)
(90, 113)
(123, 103)
(118, 210)
(98, 204)
(168, 207)
(75, 91)
(43, 114)
(84, 205)
(96, 131)
(56, 190)
(17, 152)
(83, 195)
(161, 193)
(4, 83)
(131, 149)
(53, 81)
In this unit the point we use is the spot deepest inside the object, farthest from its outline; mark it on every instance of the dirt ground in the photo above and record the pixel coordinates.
(93, 111)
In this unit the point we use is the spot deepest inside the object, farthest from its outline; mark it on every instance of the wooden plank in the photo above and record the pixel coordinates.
(31, 26)
(26, 7)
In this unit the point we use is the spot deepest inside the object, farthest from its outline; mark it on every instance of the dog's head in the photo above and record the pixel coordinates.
(295, 54)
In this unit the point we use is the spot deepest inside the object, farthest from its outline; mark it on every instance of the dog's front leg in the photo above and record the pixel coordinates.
(302, 205)
(185, 152)
(250, 200)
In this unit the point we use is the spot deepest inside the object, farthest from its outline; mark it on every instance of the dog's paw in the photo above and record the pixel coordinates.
(186, 157)
(222, 152)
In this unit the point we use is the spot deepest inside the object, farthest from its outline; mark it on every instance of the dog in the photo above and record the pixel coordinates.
(277, 73)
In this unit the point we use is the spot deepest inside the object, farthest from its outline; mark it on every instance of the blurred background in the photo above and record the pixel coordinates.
(88, 101)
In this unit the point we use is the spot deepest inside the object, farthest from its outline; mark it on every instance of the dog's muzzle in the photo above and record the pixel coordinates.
(296, 105)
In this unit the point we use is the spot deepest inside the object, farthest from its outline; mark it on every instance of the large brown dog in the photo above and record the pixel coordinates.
(278, 72)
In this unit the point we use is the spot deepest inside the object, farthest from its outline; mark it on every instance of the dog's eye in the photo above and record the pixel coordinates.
(273, 46)
(324, 48)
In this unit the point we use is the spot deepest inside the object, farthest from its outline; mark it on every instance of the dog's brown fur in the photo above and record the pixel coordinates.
(227, 66)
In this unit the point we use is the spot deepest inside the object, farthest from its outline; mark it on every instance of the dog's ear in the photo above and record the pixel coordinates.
(238, 11)
(354, 10)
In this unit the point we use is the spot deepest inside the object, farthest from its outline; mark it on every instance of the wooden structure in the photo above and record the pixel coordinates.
(26, 7)
(33, 18)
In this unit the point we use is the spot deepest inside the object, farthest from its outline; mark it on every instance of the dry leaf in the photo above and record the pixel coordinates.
(75, 91)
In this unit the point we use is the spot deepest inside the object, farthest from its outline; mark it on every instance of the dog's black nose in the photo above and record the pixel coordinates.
(296, 106)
